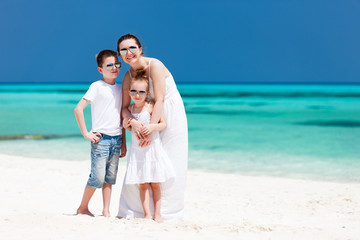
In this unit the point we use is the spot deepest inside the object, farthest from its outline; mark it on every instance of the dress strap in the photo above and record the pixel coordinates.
(130, 73)
(148, 108)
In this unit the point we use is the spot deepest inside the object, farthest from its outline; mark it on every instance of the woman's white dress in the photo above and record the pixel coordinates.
(147, 164)
(175, 143)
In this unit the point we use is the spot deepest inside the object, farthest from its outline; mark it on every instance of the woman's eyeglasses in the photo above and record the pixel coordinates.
(134, 92)
(132, 49)
(111, 65)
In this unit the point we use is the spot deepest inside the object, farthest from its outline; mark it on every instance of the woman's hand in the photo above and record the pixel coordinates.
(146, 141)
(126, 124)
(136, 126)
(146, 130)
(123, 150)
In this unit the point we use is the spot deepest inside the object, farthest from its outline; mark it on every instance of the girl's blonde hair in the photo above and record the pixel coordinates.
(140, 76)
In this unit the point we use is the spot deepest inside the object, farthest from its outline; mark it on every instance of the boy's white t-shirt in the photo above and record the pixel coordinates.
(105, 107)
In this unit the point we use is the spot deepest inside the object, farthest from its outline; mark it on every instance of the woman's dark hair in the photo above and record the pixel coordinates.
(126, 37)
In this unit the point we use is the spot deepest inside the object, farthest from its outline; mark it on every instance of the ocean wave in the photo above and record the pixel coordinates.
(318, 107)
(43, 90)
(271, 95)
(211, 94)
(331, 123)
(36, 136)
(217, 112)
(230, 112)
(69, 101)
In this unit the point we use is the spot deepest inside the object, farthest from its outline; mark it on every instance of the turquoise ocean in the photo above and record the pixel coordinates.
(297, 131)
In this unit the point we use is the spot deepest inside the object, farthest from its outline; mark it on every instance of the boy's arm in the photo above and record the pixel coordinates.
(79, 114)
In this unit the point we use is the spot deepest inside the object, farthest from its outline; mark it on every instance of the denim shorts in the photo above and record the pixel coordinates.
(104, 161)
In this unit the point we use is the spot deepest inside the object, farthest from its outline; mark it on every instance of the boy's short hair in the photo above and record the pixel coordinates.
(103, 54)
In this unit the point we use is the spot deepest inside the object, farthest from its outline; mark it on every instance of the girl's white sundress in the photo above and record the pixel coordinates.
(147, 164)
(175, 143)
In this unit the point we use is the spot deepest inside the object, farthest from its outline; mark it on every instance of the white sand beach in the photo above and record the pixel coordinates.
(40, 196)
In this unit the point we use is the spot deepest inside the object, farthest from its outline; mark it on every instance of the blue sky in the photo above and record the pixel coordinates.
(199, 41)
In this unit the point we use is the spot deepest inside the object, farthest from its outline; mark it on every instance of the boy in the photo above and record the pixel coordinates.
(107, 135)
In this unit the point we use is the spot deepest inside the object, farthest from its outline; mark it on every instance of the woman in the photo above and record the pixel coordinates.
(168, 103)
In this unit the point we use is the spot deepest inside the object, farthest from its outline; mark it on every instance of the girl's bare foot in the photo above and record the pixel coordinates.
(158, 219)
(106, 214)
(147, 216)
(84, 212)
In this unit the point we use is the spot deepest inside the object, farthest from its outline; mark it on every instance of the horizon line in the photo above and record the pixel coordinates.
(208, 83)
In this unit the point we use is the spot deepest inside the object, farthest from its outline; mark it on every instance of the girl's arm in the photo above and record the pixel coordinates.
(79, 114)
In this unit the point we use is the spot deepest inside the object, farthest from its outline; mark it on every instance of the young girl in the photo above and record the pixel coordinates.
(148, 166)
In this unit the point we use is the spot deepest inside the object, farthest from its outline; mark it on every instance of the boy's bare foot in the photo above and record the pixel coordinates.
(158, 219)
(84, 212)
(106, 214)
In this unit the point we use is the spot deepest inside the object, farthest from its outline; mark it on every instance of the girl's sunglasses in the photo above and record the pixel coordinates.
(132, 49)
(111, 65)
(134, 92)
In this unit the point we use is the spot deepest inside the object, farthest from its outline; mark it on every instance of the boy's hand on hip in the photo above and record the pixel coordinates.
(93, 137)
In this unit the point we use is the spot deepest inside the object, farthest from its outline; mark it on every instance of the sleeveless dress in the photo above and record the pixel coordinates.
(147, 164)
(175, 143)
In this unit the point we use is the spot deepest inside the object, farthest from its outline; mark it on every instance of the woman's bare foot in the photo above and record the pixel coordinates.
(158, 219)
(84, 212)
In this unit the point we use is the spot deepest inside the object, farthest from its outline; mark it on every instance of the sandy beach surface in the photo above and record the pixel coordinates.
(40, 196)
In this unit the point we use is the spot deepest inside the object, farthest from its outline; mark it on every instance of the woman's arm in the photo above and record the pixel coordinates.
(126, 122)
(150, 128)
(123, 144)
(158, 126)
(126, 100)
(158, 76)
(123, 139)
